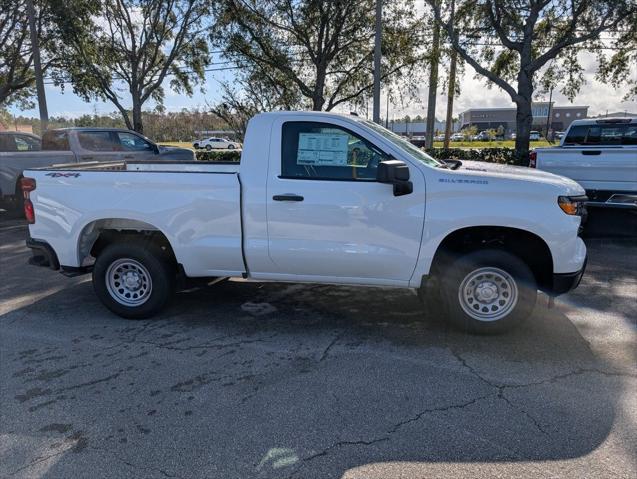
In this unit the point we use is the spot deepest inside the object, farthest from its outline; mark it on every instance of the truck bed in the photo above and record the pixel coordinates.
(196, 203)
(149, 166)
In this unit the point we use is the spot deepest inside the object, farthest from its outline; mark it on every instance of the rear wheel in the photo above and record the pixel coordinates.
(196, 146)
(488, 291)
(134, 280)
(208, 147)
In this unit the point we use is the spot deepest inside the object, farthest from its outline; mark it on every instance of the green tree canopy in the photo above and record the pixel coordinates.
(122, 50)
(17, 79)
(519, 45)
(318, 51)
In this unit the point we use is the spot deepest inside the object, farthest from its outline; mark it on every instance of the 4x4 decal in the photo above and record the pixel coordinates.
(63, 175)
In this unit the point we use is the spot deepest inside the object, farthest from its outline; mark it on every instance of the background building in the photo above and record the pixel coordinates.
(492, 118)
(414, 128)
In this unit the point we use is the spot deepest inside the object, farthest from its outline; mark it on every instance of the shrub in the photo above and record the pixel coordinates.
(221, 156)
(491, 155)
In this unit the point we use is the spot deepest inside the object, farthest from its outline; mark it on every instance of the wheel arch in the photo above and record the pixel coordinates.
(98, 234)
(527, 246)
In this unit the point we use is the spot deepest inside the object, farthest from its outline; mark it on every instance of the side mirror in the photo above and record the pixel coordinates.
(396, 173)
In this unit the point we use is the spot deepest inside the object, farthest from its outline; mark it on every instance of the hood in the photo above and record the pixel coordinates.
(521, 173)
(177, 153)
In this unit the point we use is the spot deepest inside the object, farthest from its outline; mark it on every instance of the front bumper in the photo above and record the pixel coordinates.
(565, 282)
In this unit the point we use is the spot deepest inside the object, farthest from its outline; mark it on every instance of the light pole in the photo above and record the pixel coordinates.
(377, 54)
(548, 116)
(37, 67)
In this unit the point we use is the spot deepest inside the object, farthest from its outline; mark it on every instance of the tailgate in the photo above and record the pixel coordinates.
(603, 168)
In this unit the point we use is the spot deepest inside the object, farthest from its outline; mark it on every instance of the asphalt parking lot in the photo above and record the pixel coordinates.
(273, 380)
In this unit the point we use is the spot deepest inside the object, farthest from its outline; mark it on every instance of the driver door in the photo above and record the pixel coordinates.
(328, 218)
(135, 147)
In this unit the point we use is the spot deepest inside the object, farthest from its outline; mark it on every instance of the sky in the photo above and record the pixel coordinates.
(600, 97)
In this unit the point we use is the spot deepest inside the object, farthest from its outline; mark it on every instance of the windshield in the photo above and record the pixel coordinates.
(404, 145)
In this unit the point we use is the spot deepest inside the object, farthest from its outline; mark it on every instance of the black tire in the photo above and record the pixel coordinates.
(231, 146)
(196, 146)
(158, 267)
(497, 276)
(208, 148)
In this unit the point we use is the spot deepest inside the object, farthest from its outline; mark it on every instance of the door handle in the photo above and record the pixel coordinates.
(128, 157)
(591, 152)
(86, 158)
(287, 197)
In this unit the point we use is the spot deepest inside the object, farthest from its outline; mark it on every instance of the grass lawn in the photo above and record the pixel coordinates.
(181, 144)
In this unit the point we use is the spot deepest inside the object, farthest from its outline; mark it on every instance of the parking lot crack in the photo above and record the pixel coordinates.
(344, 443)
(500, 391)
(330, 345)
(207, 345)
(133, 465)
(38, 461)
(471, 369)
(576, 372)
(450, 407)
(392, 430)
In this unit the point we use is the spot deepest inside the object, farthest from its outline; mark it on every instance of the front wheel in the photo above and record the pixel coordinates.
(208, 147)
(489, 291)
(133, 280)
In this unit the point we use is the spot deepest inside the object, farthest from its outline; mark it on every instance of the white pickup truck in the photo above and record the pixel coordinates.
(601, 155)
(317, 197)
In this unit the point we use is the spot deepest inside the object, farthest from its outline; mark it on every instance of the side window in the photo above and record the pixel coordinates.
(594, 136)
(55, 140)
(605, 135)
(131, 142)
(611, 135)
(630, 135)
(576, 135)
(98, 141)
(325, 151)
(26, 143)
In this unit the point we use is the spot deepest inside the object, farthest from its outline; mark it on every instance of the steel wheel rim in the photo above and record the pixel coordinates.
(128, 282)
(488, 294)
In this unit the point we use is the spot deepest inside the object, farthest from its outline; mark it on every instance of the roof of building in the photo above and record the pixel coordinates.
(507, 108)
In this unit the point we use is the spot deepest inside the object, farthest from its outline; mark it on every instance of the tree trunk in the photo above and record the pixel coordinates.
(318, 98)
(317, 102)
(523, 118)
(433, 88)
(138, 126)
(451, 92)
(523, 122)
(125, 115)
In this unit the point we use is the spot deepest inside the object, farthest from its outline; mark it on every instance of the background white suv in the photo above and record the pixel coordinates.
(216, 144)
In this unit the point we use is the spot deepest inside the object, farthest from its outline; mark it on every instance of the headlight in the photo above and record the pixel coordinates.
(573, 205)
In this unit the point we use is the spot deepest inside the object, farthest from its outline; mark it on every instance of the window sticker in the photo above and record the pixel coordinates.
(322, 149)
